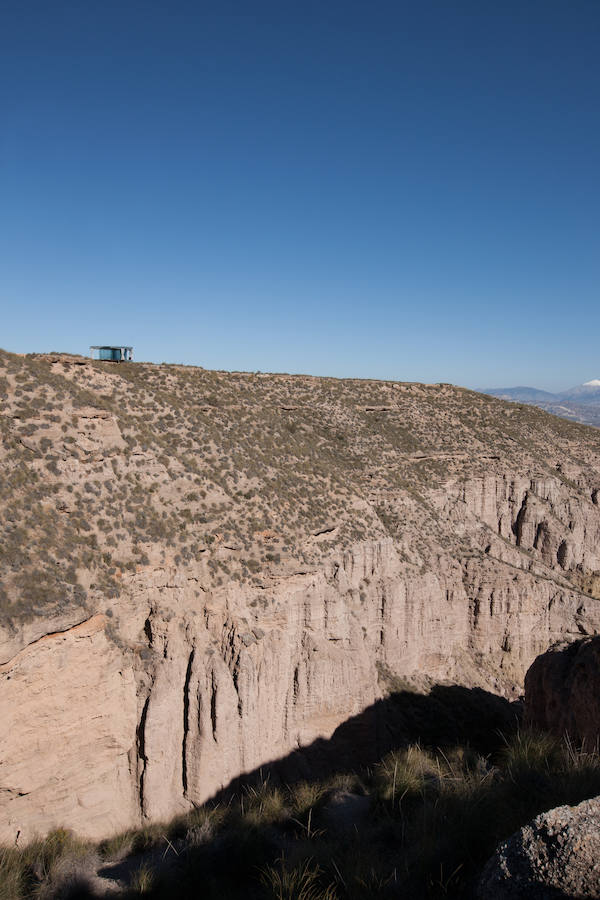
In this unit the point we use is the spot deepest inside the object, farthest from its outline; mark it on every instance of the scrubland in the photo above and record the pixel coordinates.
(107, 468)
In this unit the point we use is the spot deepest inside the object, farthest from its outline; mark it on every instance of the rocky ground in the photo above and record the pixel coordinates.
(562, 692)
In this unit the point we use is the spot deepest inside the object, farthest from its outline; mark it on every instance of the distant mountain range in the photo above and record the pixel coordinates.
(580, 403)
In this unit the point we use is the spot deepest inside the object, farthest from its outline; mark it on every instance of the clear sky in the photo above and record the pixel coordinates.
(376, 189)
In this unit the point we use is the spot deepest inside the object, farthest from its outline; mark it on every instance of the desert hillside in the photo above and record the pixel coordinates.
(201, 571)
(107, 470)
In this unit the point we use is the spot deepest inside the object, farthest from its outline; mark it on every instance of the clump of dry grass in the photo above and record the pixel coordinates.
(303, 881)
(57, 866)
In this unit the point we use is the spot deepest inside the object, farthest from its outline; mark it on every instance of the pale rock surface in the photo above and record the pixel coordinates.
(112, 721)
(68, 735)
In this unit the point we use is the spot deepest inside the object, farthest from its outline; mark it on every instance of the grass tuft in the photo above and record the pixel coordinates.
(301, 882)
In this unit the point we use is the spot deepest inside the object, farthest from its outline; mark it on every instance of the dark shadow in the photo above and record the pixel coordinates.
(366, 836)
(449, 715)
(123, 871)
(231, 862)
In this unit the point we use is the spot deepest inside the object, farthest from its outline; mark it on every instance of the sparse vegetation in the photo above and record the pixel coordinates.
(430, 819)
(135, 460)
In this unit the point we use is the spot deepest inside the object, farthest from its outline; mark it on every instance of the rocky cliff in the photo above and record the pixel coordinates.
(561, 692)
(204, 571)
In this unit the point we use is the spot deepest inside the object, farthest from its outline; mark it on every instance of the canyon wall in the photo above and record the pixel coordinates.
(201, 572)
(155, 703)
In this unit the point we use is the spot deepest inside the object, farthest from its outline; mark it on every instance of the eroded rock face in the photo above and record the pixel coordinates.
(555, 855)
(67, 745)
(282, 548)
(138, 716)
(562, 692)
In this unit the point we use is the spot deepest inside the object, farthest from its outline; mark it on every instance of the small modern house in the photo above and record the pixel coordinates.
(113, 354)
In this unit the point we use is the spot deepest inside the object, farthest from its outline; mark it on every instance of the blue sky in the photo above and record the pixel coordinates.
(386, 189)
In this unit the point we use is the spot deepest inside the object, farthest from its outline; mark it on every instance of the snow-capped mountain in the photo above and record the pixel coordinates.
(580, 403)
(589, 392)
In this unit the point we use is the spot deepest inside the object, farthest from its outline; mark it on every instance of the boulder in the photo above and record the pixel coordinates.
(555, 855)
(562, 692)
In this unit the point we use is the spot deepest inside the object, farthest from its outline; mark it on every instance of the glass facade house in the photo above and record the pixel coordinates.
(112, 353)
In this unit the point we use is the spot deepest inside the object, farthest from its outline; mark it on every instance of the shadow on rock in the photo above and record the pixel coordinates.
(447, 716)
